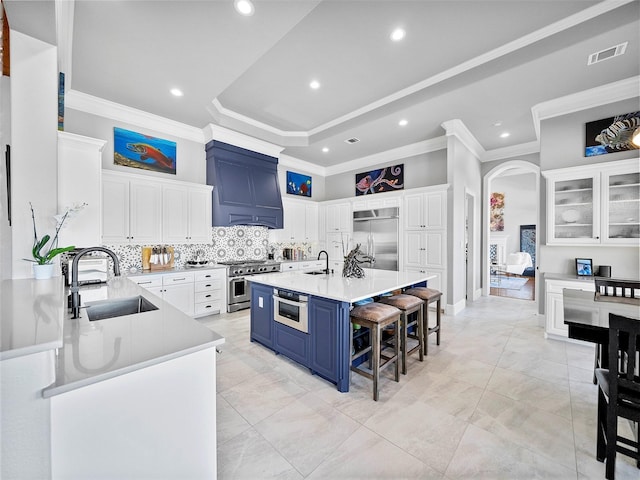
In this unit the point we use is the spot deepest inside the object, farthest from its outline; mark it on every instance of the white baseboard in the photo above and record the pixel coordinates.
(455, 308)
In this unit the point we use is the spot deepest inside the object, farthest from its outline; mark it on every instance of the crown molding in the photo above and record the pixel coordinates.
(222, 134)
(459, 130)
(594, 97)
(293, 162)
(64, 10)
(98, 106)
(76, 140)
(511, 151)
(432, 145)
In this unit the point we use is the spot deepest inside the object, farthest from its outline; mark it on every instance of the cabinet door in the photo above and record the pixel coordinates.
(145, 207)
(296, 217)
(180, 296)
(311, 223)
(435, 210)
(323, 328)
(115, 210)
(434, 249)
(574, 204)
(621, 206)
(175, 214)
(262, 325)
(339, 217)
(414, 249)
(414, 212)
(555, 315)
(199, 215)
(337, 245)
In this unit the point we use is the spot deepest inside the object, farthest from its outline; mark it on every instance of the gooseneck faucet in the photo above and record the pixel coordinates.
(326, 270)
(75, 288)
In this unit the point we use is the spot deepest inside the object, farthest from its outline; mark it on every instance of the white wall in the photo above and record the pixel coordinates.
(5, 138)
(520, 205)
(34, 126)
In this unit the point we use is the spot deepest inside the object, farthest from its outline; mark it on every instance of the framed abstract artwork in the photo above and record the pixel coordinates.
(135, 150)
(497, 212)
(298, 184)
(385, 179)
(611, 134)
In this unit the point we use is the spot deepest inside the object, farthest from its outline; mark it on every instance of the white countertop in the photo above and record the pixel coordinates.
(335, 287)
(35, 319)
(31, 316)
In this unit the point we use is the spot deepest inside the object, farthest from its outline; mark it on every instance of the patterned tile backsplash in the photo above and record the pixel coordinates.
(229, 243)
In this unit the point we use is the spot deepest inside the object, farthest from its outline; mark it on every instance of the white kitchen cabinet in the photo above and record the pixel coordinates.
(80, 182)
(339, 217)
(554, 308)
(300, 223)
(338, 245)
(304, 266)
(370, 202)
(131, 209)
(196, 293)
(425, 210)
(186, 214)
(594, 205)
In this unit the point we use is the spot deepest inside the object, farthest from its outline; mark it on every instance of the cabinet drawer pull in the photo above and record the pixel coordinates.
(207, 276)
(178, 279)
(207, 296)
(144, 283)
(208, 285)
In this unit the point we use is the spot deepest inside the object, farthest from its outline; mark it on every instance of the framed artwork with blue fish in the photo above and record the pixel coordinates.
(611, 135)
(298, 184)
(135, 150)
(381, 180)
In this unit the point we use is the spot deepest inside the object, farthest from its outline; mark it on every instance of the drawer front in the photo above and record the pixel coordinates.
(148, 282)
(208, 296)
(312, 265)
(207, 275)
(208, 308)
(177, 278)
(556, 286)
(212, 284)
(285, 267)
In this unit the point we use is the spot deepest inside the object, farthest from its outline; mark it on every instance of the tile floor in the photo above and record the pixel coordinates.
(494, 401)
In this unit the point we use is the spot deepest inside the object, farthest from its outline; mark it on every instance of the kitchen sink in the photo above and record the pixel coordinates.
(118, 307)
(316, 272)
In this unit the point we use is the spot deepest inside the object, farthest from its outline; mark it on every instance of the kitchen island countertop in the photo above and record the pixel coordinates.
(336, 287)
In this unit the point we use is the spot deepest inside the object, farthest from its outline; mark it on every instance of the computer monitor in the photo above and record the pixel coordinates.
(584, 267)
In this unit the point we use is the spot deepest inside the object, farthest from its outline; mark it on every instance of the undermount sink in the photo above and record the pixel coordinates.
(118, 307)
(316, 272)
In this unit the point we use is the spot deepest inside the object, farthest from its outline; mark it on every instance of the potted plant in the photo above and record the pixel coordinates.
(43, 255)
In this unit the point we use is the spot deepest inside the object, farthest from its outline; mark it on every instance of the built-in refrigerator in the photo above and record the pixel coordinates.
(377, 233)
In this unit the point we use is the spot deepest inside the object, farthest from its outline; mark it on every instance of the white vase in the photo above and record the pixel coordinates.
(43, 272)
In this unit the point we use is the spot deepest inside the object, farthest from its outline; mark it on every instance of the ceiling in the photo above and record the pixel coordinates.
(482, 62)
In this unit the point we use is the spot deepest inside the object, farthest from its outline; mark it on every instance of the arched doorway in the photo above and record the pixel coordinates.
(507, 168)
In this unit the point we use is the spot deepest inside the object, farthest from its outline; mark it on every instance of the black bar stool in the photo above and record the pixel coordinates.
(428, 295)
(408, 304)
(375, 317)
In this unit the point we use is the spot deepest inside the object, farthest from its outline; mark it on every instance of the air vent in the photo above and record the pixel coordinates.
(352, 140)
(607, 53)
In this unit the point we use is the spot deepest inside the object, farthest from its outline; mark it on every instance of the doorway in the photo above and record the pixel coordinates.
(509, 232)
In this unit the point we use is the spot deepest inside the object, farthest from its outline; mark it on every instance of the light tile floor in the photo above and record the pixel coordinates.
(495, 400)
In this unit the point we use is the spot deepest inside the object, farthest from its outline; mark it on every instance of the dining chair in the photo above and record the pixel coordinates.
(619, 393)
(617, 291)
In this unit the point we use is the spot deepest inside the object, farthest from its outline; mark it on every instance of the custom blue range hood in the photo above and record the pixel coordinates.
(245, 186)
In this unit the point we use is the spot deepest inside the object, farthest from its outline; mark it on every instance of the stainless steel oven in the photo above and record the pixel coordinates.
(291, 309)
(238, 275)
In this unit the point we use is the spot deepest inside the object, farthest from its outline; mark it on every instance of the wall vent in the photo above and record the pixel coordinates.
(352, 140)
(607, 53)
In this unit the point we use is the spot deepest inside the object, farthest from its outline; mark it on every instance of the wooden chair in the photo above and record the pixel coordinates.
(617, 291)
(429, 296)
(619, 393)
(408, 304)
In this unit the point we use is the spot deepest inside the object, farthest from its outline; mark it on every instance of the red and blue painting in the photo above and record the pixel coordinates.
(135, 150)
(381, 180)
(298, 184)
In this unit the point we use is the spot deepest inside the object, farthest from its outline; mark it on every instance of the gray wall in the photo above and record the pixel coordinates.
(562, 145)
(419, 171)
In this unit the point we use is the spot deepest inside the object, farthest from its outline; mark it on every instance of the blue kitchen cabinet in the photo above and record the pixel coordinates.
(246, 190)
(329, 334)
(262, 325)
(292, 343)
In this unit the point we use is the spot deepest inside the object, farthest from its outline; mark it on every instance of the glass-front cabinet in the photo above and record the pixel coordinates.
(596, 204)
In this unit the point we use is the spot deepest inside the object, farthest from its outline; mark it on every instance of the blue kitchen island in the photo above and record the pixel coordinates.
(306, 317)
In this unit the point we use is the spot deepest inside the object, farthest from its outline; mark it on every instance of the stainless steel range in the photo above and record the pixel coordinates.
(238, 294)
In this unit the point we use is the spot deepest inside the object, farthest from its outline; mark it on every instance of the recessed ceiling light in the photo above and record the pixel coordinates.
(398, 34)
(403, 122)
(315, 84)
(325, 149)
(176, 92)
(244, 7)
(498, 123)
(504, 134)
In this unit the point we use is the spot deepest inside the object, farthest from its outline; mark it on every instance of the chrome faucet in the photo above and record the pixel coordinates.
(326, 270)
(75, 288)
